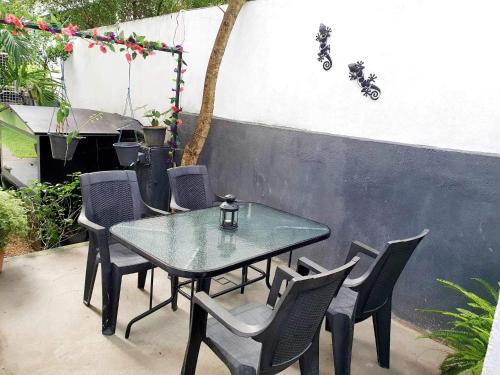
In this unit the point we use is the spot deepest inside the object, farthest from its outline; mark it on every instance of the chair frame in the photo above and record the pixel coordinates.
(342, 324)
(99, 252)
(267, 333)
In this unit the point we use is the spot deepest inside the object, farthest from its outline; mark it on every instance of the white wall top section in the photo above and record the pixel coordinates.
(435, 62)
(492, 360)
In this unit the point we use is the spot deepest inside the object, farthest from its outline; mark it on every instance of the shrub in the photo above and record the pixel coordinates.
(53, 211)
(12, 217)
(470, 330)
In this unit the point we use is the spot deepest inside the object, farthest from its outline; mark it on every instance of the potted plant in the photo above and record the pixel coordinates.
(13, 220)
(63, 143)
(154, 134)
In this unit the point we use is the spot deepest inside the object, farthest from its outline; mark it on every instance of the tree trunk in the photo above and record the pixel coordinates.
(195, 145)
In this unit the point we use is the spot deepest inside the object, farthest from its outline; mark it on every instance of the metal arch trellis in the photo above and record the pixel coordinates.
(177, 50)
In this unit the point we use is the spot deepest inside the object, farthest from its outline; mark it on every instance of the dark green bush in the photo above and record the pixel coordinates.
(53, 211)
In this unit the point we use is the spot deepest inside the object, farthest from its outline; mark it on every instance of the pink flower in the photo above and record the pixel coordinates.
(70, 30)
(43, 25)
(94, 33)
(175, 109)
(68, 48)
(13, 20)
(91, 45)
(179, 122)
(103, 49)
(151, 53)
(128, 57)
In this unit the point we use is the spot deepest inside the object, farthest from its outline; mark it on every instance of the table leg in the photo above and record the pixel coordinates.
(197, 331)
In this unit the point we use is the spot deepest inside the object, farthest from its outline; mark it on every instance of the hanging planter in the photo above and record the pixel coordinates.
(127, 152)
(63, 146)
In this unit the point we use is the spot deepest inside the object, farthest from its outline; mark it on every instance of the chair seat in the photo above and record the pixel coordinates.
(126, 260)
(240, 354)
(344, 303)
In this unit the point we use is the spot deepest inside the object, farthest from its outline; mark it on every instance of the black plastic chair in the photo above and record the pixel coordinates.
(110, 198)
(369, 295)
(266, 339)
(191, 190)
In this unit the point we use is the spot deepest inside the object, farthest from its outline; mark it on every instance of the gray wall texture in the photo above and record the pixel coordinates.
(372, 192)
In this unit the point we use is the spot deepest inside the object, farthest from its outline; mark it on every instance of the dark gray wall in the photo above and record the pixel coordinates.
(372, 192)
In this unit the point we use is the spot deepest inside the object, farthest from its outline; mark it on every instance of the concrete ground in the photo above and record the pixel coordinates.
(46, 329)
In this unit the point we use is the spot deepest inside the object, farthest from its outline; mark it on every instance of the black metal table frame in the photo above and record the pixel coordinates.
(178, 285)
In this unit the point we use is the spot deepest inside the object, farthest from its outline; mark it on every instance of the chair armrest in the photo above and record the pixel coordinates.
(90, 225)
(175, 207)
(224, 317)
(281, 274)
(359, 247)
(306, 266)
(151, 211)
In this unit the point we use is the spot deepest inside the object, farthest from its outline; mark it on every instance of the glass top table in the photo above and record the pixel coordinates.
(191, 244)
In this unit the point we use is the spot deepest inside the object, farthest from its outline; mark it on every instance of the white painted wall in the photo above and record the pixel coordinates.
(436, 62)
(492, 360)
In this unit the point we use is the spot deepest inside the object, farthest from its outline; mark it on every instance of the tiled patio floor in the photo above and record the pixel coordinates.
(46, 329)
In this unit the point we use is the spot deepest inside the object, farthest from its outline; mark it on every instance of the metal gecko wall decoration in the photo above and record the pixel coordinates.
(324, 46)
(367, 86)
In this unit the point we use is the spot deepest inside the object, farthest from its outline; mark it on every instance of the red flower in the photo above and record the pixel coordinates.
(128, 57)
(68, 48)
(13, 20)
(139, 49)
(70, 30)
(103, 49)
(94, 33)
(129, 44)
(179, 122)
(43, 25)
(91, 45)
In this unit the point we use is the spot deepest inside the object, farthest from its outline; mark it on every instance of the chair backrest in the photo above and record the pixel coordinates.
(111, 197)
(298, 316)
(384, 273)
(190, 187)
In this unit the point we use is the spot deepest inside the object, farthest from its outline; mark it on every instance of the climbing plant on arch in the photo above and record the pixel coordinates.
(132, 46)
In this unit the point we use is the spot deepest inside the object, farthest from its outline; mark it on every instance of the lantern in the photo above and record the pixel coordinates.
(229, 213)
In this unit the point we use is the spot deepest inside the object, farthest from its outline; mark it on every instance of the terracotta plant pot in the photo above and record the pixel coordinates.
(154, 135)
(127, 152)
(1, 260)
(61, 150)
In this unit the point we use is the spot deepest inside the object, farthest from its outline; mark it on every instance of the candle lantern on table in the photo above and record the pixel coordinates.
(229, 213)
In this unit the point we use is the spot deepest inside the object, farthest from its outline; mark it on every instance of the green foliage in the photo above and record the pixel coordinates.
(13, 218)
(470, 330)
(53, 211)
(94, 13)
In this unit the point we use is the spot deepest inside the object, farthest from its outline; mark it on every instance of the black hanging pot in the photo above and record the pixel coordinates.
(61, 148)
(127, 152)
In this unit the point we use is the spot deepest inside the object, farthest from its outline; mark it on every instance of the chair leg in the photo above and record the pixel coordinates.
(309, 362)
(90, 275)
(244, 278)
(141, 279)
(342, 335)
(115, 298)
(382, 328)
(174, 286)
